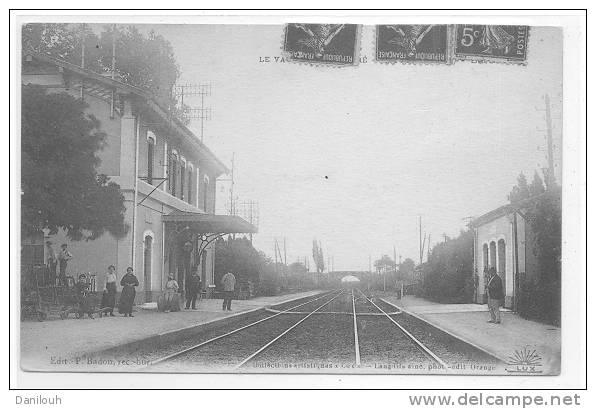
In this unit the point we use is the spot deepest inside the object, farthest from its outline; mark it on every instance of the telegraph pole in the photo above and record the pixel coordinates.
(394, 261)
(420, 236)
(232, 207)
(285, 254)
(275, 254)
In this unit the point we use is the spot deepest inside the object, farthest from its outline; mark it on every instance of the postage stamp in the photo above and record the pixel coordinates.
(335, 44)
(412, 43)
(492, 43)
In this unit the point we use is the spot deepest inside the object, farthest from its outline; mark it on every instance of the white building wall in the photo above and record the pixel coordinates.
(493, 231)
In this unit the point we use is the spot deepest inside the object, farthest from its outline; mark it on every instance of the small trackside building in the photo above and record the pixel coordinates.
(162, 168)
(503, 239)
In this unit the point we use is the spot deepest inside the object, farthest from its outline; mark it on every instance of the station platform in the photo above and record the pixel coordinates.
(509, 341)
(45, 345)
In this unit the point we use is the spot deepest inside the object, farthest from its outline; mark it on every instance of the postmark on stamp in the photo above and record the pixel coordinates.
(335, 44)
(412, 43)
(491, 43)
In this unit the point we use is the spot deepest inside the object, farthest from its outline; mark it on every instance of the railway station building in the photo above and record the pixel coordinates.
(503, 239)
(166, 174)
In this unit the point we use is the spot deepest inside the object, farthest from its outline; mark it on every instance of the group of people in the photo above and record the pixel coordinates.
(57, 263)
(108, 300)
(169, 300)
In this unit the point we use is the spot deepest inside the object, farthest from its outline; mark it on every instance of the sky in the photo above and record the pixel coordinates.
(352, 156)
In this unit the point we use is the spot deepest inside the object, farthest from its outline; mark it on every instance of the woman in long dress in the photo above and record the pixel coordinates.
(127, 298)
(108, 300)
(170, 295)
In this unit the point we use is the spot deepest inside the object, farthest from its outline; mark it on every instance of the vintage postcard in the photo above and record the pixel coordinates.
(182, 211)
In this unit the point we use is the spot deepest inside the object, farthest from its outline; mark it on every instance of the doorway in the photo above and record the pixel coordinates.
(147, 254)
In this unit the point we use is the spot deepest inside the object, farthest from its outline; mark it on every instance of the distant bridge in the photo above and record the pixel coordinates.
(336, 276)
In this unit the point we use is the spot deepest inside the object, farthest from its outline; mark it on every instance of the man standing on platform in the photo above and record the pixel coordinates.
(495, 295)
(51, 263)
(193, 286)
(63, 257)
(228, 282)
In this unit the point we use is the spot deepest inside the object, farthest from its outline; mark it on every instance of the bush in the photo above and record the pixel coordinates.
(540, 301)
(447, 276)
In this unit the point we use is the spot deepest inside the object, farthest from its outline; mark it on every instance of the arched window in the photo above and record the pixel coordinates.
(198, 184)
(182, 177)
(205, 191)
(173, 171)
(189, 197)
(150, 156)
(501, 257)
(493, 254)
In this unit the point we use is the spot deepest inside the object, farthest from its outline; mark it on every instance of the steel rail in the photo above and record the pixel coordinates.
(423, 347)
(192, 348)
(268, 344)
(360, 314)
(356, 344)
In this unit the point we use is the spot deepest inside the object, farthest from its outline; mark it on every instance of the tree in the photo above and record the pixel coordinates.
(385, 264)
(448, 275)
(540, 298)
(297, 268)
(239, 256)
(143, 61)
(537, 186)
(317, 255)
(521, 191)
(60, 186)
(406, 269)
(146, 62)
(64, 41)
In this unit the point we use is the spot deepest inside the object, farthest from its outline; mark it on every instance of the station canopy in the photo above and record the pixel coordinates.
(210, 223)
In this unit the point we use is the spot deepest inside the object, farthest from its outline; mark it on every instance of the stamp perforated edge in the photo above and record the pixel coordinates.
(357, 51)
(478, 59)
(448, 53)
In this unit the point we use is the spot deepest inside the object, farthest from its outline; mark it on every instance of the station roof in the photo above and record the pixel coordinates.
(503, 210)
(210, 223)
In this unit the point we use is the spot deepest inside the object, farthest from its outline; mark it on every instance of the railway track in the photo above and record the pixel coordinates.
(192, 348)
(415, 340)
(339, 326)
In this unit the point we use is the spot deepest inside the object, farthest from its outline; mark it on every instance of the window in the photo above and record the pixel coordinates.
(189, 196)
(182, 177)
(165, 166)
(173, 172)
(205, 189)
(150, 156)
(198, 179)
(493, 254)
